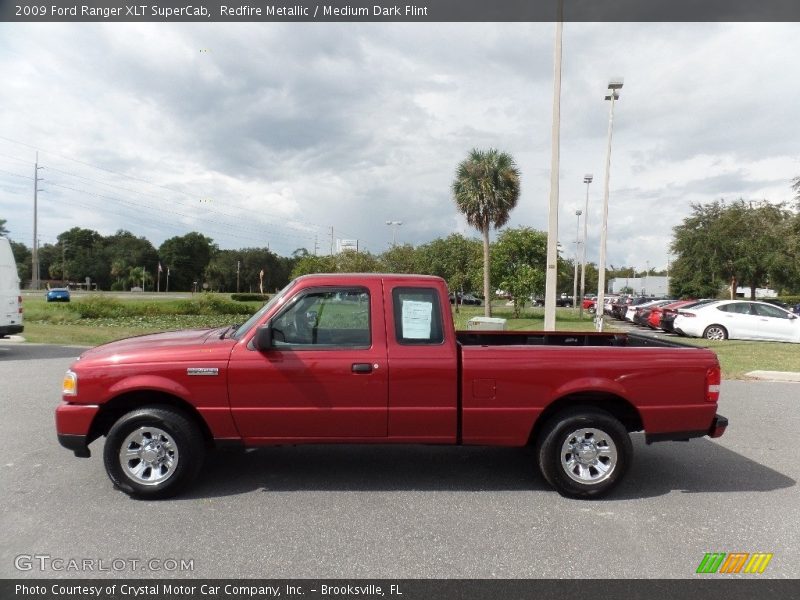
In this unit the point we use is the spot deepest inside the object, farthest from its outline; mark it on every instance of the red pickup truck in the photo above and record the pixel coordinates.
(368, 358)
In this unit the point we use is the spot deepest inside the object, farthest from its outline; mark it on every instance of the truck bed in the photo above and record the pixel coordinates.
(563, 338)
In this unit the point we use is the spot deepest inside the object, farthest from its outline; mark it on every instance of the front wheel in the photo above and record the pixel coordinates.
(153, 452)
(715, 332)
(583, 452)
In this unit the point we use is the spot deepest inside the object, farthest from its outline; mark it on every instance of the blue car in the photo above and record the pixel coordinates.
(58, 295)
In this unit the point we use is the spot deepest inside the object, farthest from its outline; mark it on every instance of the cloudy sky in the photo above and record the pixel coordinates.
(257, 134)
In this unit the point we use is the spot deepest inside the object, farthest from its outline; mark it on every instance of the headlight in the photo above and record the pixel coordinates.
(70, 385)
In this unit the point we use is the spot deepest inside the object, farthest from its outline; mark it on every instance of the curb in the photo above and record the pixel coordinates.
(774, 376)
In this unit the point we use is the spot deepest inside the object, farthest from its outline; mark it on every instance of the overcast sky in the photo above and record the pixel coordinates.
(257, 134)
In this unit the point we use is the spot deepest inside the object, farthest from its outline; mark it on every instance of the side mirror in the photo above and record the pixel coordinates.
(792, 316)
(263, 338)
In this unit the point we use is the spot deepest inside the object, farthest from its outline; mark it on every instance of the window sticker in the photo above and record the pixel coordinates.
(417, 318)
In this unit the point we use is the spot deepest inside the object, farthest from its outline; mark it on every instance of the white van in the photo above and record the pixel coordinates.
(10, 299)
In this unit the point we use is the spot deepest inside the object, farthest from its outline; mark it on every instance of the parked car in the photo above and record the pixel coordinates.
(468, 299)
(668, 314)
(398, 372)
(654, 318)
(739, 319)
(642, 312)
(57, 295)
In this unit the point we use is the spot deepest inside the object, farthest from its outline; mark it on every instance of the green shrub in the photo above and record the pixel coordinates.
(96, 307)
(250, 297)
(790, 300)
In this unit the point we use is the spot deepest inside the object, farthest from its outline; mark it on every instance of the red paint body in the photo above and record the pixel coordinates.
(446, 393)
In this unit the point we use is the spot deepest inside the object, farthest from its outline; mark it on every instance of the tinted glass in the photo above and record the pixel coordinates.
(741, 308)
(765, 310)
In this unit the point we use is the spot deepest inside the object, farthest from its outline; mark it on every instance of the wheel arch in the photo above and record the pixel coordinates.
(615, 405)
(126, 402)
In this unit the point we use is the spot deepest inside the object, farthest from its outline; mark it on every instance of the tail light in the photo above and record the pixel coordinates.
(19, 303)
(713, 380)
(686, 314)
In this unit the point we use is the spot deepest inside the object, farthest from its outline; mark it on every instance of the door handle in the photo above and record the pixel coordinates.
(361, 368)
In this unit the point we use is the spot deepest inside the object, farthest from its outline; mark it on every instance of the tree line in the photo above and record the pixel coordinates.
(123, 260)
(727, 245)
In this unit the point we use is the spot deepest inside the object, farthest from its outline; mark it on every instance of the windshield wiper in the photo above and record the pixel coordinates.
(230, 329)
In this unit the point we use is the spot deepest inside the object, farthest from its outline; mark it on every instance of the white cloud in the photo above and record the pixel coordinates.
(274, 133)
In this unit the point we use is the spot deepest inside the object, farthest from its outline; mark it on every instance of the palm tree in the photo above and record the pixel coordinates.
(486, 188)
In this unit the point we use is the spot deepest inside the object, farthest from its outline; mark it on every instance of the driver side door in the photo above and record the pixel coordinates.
(325, 376)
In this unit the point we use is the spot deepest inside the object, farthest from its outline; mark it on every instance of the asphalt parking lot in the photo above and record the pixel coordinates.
(402, 512)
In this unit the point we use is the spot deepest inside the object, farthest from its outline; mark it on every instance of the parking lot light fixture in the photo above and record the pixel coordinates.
(578, 214)
(394, 225)
(587, 179)
(613, 95)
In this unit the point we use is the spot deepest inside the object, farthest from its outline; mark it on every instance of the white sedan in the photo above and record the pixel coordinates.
(739, 319)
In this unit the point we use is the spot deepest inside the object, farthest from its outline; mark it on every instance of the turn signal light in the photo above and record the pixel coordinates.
(69, 387)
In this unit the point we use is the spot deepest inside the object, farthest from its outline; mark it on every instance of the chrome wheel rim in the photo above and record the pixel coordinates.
(715, 333)
(149, 455)
(588, 455)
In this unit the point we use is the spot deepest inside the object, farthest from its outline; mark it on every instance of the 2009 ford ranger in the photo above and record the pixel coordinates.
(376, 359)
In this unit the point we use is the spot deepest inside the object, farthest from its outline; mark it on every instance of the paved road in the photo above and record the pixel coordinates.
(404, 512)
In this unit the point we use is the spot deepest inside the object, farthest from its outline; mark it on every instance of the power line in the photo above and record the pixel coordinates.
(142, 180)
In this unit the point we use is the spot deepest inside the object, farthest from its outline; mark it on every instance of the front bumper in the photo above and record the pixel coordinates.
(73, 425)
(76, 443)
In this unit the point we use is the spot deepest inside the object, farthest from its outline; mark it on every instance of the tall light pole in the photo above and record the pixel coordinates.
(613, 95)
(587, 179)
(578, 214)
(394, 225)
(551, 272)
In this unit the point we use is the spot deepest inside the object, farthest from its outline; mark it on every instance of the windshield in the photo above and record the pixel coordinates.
(276, 299)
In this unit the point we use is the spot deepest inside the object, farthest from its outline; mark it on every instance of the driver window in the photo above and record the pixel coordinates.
(336, 318)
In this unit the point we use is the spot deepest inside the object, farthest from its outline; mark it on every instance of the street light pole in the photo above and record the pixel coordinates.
(394, 225)
(578, 214)
(613, 95)
(551, 271)
(587, 179)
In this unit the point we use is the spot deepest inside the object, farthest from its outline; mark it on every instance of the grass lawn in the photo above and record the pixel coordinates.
(52, 323)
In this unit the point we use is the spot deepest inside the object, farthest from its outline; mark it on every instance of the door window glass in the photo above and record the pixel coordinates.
(335, 318)
(764, 310)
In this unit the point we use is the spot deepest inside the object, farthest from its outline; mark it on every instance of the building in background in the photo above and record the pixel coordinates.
(653, 285)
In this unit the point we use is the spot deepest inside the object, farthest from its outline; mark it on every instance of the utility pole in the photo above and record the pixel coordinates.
(316, 245)
(35, 252)
(238, 265)
(331, 240)
(578, 214)
(63, 264)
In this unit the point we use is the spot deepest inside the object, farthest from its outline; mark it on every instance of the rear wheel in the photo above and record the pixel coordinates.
(153, 452)
(715, 332)
(583, 452)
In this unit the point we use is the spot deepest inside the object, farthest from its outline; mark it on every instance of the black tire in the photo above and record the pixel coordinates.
(592, 426)
(175, 445)
(715, 332)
